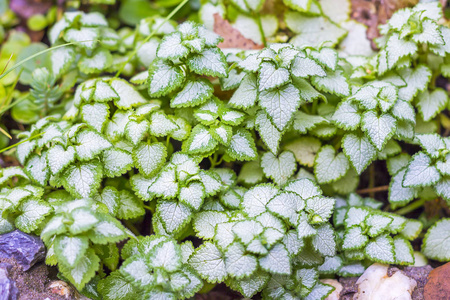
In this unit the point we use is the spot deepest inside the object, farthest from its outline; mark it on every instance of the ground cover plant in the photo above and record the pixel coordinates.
(156, 161)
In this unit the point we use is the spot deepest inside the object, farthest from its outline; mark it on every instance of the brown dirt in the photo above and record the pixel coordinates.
(32, 283)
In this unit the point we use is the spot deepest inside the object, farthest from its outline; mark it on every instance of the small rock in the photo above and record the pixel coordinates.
(61, 288)
(349, 287)
(24, 248)
(376, 284)
(419, 274)
(8, 289)
(438, 284)
(337, 288)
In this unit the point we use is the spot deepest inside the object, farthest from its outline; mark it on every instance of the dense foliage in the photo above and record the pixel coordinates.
(157, 163)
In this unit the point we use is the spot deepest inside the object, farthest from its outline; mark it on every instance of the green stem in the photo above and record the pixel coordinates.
(21, 142)
(261, 30)
(37, 54)
(151, 209)
(411, 207)
(150, 36)
(132, 228)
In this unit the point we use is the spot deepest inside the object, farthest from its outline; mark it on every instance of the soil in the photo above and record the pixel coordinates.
(32, 284)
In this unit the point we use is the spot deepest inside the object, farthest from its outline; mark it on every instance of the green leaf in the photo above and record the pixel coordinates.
(210, 62)
(61, 59)
(85, 37)
(304, 149)
(200, 141)
(246, 94)
(300, 5)
(171, 47)
(83, 271)
(430, 33)
(305, 67)
(398, 194)
(194, 93)
(403, 251)
(130, 206)
(161, 125)
(59, 158)
(83, 220)
(279, 168)
(164, 78)
(238, 263)
(149, 158)
(334, 82)
(128, 96)
(165, 256)
(379, 128)
(313, 31)
(328, 166)
(430, 104)
(270, 77)
(116, 286)
(416, 79)
(116, 162)
(377, 223)
(304, 122)
(398, 48)
(420, 172)
(137, 272)
(100, 60)
(209, 262)
(242, 146)
(173, 215)
(109, 197)
(83, 179)
(70, 250)
(90, 144)
(36, 168)
(412, 229)
(286, 205)
(381, 249)
(256, 199)
(431, 143)
(347, 116)
(354, 238)
(280, 104)
(276, 261)
(104, 92)
(359, 151)
(32, 214)
(437, 241)
(324, 240)
(205, 223)
(95, 115)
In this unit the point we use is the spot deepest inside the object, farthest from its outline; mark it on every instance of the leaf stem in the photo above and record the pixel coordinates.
(411, 207)
(37, 54)
(261, 29)
(172, 13)
(131, 226)
(382, 188)
(21, 142)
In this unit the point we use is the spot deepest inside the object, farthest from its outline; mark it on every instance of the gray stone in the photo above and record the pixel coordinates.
(349, 287)
(24, 248)
(419, 274)
(8, 289)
